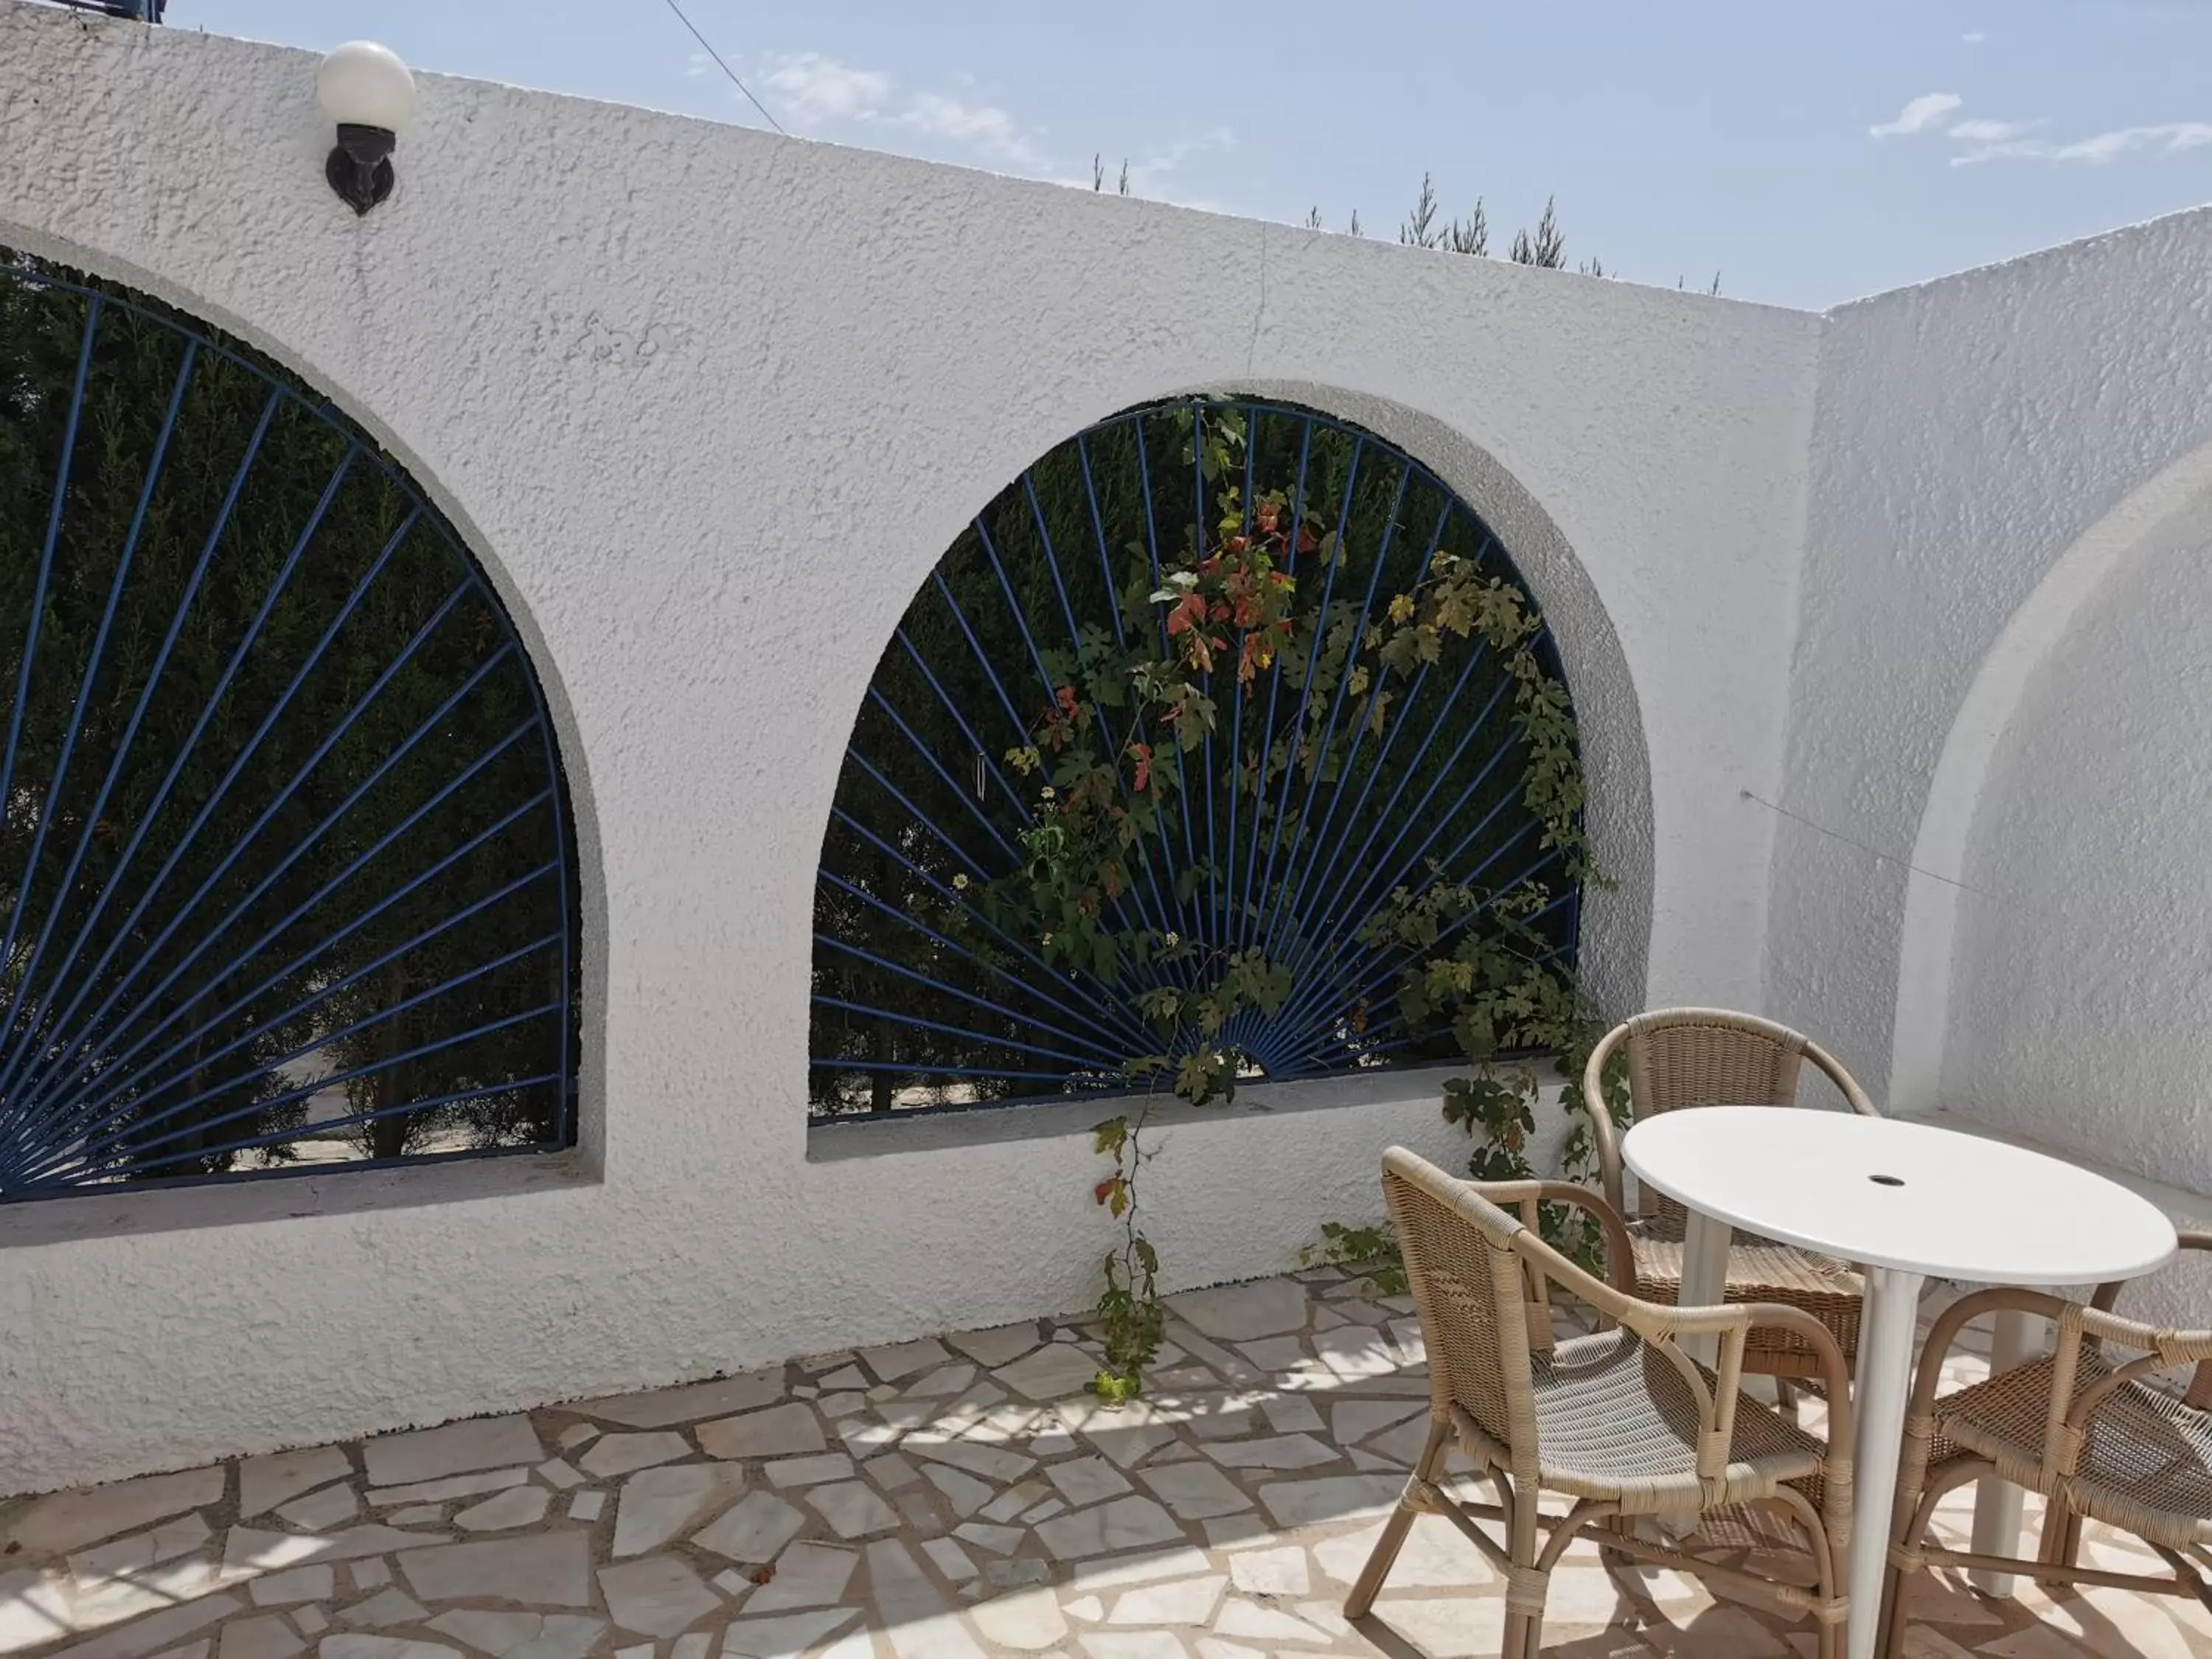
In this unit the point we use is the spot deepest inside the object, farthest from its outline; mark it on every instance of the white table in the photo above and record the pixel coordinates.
(1905, 1202)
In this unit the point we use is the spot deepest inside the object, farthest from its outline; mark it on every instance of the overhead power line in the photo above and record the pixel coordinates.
(725, 68)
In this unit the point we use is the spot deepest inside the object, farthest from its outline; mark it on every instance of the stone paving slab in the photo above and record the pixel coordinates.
(958, 1497)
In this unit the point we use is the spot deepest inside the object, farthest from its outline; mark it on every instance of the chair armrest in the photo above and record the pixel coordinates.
(1835, 1369)
(2160, 1350)
(1527, 1196)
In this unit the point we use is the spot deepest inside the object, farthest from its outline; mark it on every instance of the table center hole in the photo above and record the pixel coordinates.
(1887, 1181)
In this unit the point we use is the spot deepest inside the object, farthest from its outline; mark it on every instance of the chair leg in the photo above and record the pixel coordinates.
(1361, 1599)
(1785, 1398)
(1524, 1624)
(1889, 1629)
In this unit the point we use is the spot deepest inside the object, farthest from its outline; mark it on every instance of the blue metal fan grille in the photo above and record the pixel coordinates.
(286, 876)
(922, 1000)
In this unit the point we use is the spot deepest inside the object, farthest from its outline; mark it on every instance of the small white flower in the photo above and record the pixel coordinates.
(960, 883)
(1047, 793)
(1173, 940)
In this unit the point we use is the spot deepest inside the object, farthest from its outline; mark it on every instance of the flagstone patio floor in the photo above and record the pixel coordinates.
(940, 1499)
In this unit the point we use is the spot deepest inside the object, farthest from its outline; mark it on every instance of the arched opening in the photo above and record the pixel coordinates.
(2145, 524)
(288, 875)
(1206, 725)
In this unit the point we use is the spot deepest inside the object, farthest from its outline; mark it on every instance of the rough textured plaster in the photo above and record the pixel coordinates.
(709, 403)
(1965, 433)
(2170, 504)
(2077, 1008)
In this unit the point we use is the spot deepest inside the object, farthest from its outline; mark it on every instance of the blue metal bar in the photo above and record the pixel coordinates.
(983, 657)
(1382, 977)
(86, 1104)
(38, 615)
(1337, 967)
(966, 860)
(1313, 655)
(10, 1063)
(91, 1029)
(59, 982)
(1236, 929)
(1334, 912)
(1323, 903)
(77, 723)
(1077, 1013)
(282, 1137)
(206, 714)
(124, 1135)
(1184, 907)
(246, 753)
(920, 1023)
(1346, 906)
(1098, 712)
(975, 809)
(1109, 1008)
(1293, 895)
(1105, 560)
(976, 744)
(1037, 661)
(1214, 911)
(153, 1092)
(320, 409)
(1327, 735)
(268, 814)
(831, 942)
(169, 1054)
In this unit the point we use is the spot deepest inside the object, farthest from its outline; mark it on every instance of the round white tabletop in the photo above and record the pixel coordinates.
(1888, 1194)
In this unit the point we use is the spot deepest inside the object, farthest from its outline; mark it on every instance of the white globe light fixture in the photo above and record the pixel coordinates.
(368, 92)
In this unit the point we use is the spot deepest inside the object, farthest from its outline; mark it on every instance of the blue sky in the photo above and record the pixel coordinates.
(1808, 153)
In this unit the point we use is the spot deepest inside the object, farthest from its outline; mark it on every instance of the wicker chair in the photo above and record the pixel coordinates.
(1623, 1422)
(2121, 1450)
(1685, 1057)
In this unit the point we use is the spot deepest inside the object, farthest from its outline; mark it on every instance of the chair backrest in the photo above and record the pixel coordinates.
(1688, 1057)
(1470, 1288)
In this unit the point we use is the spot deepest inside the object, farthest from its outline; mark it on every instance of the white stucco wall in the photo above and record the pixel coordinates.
(1984, 449)
(708, 404)
(2077, 1008)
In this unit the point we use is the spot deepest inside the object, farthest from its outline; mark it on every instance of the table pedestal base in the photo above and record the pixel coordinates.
(1998, 1503)
(1888, 1334)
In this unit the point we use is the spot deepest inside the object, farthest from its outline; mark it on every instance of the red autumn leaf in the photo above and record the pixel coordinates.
(762, 1574)
(1066, 696)
(1143, 752)
(1103, 1191)
(1266, 514)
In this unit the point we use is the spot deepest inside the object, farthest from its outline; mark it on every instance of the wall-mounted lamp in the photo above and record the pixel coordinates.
(368, 92)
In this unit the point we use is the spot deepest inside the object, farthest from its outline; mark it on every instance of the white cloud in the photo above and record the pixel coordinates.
(699, 63)
(811, 88)
(985, 128)
(2166, 138)
(1990, 132)
(1973, 37)
(1922, 113)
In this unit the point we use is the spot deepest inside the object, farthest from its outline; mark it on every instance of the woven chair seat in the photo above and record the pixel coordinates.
(2146, 1464)
(1760, 1270)
(1614, 1419)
